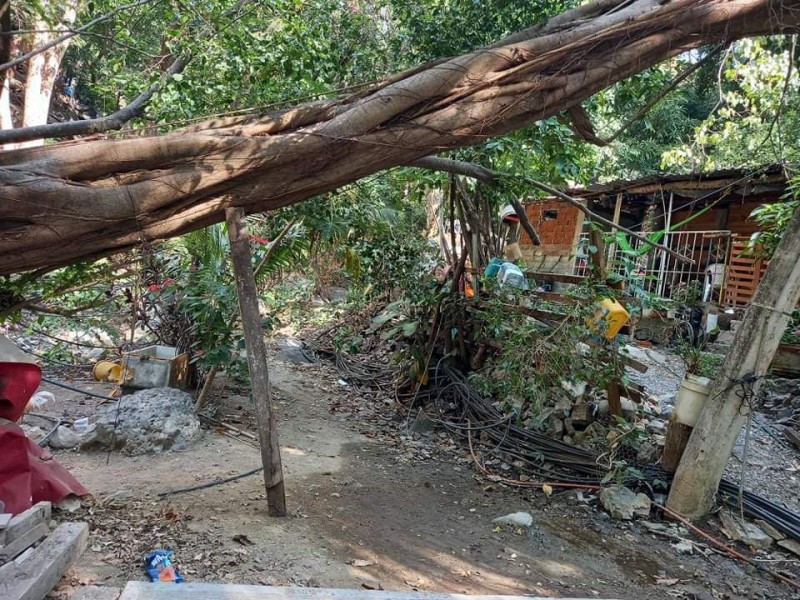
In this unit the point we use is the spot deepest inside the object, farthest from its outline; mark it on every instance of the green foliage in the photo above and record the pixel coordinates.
(755, 119)
(772, 220)
(792, 333)
(535, 364)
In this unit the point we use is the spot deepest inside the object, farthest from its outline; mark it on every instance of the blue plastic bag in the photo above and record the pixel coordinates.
(160, 568)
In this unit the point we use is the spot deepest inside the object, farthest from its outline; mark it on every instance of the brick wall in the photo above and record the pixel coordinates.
(736, 218)
(558, 236)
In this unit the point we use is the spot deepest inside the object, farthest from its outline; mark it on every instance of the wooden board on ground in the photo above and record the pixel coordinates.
(23, 542)
(139, 590)
(24, 522)
(33, 577)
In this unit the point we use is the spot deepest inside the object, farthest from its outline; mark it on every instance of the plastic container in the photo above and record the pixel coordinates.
(612, 314)
(40, 400)
(692, 395)
(493, 267)
(711, 322)
(511, 276)
(106, 370)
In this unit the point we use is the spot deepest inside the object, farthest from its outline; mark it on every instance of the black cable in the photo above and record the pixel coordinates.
(204, 486)
(74, 389)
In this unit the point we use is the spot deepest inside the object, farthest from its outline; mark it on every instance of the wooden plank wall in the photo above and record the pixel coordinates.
(744, 274)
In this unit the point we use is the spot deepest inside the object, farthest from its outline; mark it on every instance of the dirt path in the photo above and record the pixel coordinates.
(410, 509)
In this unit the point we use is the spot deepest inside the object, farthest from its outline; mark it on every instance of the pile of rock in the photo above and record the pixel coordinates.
(146, 422)
(782, 403)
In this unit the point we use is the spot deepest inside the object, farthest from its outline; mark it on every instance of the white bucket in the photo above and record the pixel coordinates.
(692, 396)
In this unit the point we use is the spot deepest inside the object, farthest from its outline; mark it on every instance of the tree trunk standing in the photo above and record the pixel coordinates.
(6, 74)
(94, 198)
(256, 361)
(711, 443)
(43, 72)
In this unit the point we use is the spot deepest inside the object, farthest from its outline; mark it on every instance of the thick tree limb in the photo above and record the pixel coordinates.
(91, 126)
(70, 34)
(595, 217)
(581, 125)
(71, 201)
(457, 167)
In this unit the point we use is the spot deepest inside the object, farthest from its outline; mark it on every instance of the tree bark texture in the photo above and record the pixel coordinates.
(77, 200)
(747, 363)
(42, 71)
(257, 361)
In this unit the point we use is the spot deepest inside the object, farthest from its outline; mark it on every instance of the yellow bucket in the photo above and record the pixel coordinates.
(614, 316)
(106, 370)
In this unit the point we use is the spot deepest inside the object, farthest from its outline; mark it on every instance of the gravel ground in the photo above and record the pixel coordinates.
(773, 466)
(663, 376)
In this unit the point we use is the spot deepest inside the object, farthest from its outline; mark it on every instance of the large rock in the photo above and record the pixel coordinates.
(623, 503)
(745, 532)
(148, 422)
(63, 438)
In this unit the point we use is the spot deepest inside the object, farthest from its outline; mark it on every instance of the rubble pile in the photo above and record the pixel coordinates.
(146, 422)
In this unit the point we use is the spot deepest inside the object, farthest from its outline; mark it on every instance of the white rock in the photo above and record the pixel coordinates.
(63, 438)
(684, 547)
(517, 519)
(69, 504)
(623, 503)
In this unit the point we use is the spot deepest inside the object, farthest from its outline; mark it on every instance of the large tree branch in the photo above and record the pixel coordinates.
(490, 177)
(69, 201)
(70, 34)
(92, 126)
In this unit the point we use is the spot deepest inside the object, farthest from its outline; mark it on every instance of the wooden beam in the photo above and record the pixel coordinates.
(32, 576)
(24, 521)
(256, 361)
(140, 590)
(559, 277)
(24, 541)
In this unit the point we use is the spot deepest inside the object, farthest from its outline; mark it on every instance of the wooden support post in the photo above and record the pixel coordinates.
(725, 412)
(614, 399)
(598, 259)
(678, 436)
(612, 248)
(256, 361)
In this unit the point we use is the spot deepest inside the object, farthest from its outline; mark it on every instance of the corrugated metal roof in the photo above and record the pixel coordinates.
(715, 180)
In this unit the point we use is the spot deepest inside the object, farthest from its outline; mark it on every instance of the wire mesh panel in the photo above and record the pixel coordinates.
(657, 272)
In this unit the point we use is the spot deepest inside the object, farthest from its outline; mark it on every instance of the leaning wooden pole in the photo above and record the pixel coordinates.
(742, 375)
(256, 361)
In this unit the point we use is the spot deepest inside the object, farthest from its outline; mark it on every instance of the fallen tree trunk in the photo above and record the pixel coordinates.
(83, 199)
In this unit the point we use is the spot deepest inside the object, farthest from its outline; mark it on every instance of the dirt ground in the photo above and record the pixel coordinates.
(371, 506)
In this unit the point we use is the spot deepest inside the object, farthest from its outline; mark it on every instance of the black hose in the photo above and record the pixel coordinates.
(204, 486)
(74, 389)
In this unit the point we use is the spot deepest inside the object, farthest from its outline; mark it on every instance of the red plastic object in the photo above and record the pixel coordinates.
(18, 382)
(28, 473)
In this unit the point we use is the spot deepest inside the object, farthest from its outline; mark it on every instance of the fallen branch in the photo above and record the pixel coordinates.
(90, 126)
(594, 216)
(489, 176)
